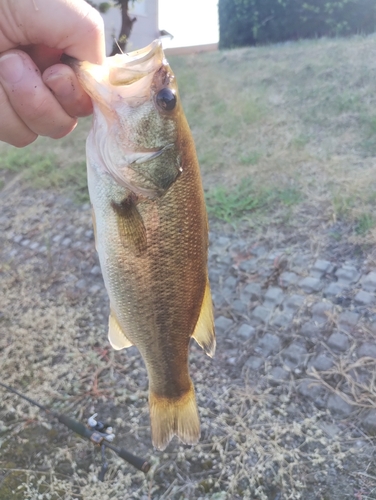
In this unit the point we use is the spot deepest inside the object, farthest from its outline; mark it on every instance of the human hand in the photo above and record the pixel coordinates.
(38, 95)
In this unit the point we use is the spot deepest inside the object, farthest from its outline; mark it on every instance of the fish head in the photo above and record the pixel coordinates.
(137, 118)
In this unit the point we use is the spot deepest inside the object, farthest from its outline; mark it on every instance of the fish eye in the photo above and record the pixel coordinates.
(166, 99)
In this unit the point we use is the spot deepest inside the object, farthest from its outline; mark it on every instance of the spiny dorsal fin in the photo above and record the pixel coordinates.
(116, 336)
(204, 333)
(131, 227)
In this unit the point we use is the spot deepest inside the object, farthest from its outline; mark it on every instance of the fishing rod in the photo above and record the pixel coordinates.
(97, 432)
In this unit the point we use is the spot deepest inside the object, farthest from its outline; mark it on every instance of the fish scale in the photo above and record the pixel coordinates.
(151, 228)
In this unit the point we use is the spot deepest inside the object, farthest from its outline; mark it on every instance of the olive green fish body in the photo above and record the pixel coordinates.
(151, 233)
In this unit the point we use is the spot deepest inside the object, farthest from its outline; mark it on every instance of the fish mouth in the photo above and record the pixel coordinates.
(120, 72)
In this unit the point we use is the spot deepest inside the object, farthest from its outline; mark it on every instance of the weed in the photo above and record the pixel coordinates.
(231, 204)
(300, 141)
(44, 171)
(364, 223)
(342, 205)
(289, 196)
(251, 158)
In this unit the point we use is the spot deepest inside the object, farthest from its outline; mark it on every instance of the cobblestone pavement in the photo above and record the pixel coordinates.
(299, 311)
(281, 313)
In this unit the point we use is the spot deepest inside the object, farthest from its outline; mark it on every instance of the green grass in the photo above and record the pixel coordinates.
(298, 120)
(48, 164)
(238, 202)
(364, 224)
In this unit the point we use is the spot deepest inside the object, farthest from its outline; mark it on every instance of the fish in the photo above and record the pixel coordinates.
(151, 228)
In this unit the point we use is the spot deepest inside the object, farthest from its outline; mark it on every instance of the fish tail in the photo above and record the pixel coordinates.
(174, 416)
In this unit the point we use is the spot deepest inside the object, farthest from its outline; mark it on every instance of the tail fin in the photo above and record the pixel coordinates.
(170, 417)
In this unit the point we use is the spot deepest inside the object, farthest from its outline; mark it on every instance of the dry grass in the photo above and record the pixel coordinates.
(297, 121)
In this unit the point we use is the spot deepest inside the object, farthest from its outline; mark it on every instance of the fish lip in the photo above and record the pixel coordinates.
(119, 70)
(129, 58)
(70, 61)
(141, 55)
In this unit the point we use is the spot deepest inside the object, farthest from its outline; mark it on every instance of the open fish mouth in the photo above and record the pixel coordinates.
(120, 70)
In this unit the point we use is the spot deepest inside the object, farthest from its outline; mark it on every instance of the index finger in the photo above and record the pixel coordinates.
(74, 27)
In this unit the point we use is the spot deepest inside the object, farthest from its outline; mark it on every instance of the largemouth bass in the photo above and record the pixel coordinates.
(151, 228)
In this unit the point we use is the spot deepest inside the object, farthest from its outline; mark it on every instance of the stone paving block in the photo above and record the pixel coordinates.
(57, 238)
(313, 391)
(66, 242)
(223, 241)
(230, 282)
(214, 275)
(238, 306)
(282, 320)
(254, 363)
(338, 341)
(251, 292)
(273, 297)
(294, 355)
(223, 324)
(259, 251)
(94, 289)
(322, 362)
(347, 274)
(311, 331)
(293, 303)
(288, 279)
(218, 301)
(81, 284)
(95, 270)
(245, 332)
(260, 315)
(18, 238)
(347, 321)
(300, 263)
(34, 245)
(369, 282)
(369, 422)
(333, 289)
(338, 406)
(364, 298)
(321, 267)
(25, 243)
(310, 285)
(268, 344)
(321, 312)
(367, 349)
(278, 374)
(249, 266)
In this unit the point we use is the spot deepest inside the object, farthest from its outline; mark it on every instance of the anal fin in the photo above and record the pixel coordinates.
(116, 336)
(204, 333)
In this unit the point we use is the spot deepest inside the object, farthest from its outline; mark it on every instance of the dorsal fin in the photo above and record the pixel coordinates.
(204, 333)
(116, 336)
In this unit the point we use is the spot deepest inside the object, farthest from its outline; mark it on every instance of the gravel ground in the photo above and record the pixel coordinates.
(287, 404)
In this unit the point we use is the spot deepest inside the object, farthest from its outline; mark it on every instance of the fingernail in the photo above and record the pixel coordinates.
(59, 84)
(11, 68)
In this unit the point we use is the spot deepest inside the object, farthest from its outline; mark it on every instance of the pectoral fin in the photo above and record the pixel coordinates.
(204, 333)
(131, 227)
(116, 335)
